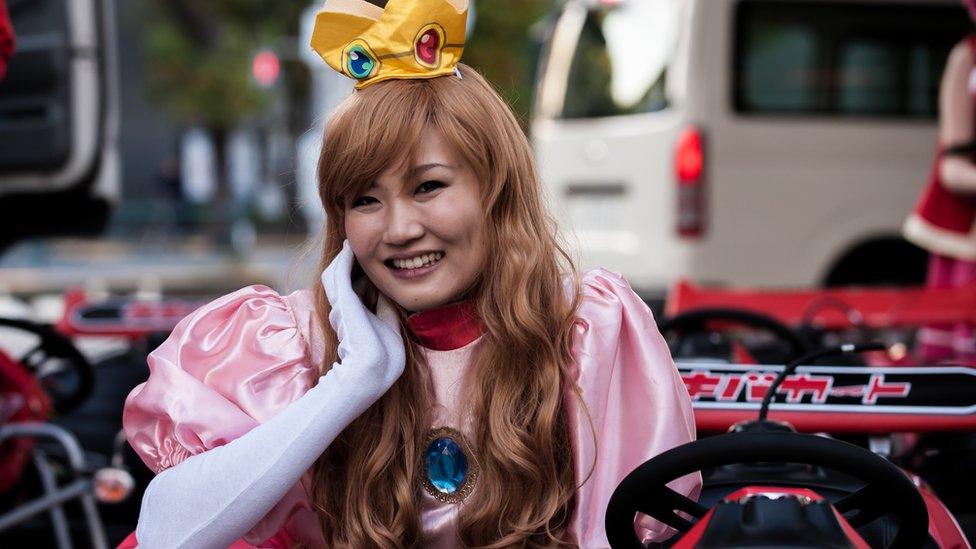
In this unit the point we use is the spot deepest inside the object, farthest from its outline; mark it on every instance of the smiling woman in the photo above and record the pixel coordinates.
(453, 381)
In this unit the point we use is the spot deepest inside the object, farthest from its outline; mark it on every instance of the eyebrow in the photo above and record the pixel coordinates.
(417, 170)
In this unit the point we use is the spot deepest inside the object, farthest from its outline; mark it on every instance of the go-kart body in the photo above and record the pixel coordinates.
(792, 511)
(869, 400)
(847, 401)
(835, 308)
(882, 401)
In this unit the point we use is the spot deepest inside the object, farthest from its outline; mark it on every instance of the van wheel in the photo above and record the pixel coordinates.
(886, 262)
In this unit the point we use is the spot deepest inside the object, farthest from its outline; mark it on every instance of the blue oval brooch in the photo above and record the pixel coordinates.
(449, 468)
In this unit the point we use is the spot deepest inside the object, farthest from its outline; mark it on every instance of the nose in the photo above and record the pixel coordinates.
(404, 224)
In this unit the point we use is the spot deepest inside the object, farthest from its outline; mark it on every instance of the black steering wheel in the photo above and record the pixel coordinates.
(696, 320)
(886, 491)
(64, 373)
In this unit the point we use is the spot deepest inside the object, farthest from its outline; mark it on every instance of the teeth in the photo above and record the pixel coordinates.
(419, 261)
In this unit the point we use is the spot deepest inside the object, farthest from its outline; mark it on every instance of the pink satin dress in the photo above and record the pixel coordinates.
(236, 362)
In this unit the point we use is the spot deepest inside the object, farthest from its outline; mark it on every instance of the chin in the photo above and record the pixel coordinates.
(419, 304)
(415, 296)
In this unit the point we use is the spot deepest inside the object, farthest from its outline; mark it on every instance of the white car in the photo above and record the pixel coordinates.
(747, 142)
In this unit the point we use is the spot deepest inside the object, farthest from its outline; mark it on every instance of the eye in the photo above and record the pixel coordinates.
(364, 201)
(429, 186)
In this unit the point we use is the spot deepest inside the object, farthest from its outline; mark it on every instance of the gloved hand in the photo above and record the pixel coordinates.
(235, 485)
(372, 344)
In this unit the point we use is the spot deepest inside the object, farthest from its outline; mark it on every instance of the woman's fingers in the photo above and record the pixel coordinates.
(349, 317)
(336, 277)
(360, 332)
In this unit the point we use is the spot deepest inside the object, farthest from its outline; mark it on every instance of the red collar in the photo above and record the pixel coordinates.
(447, 328)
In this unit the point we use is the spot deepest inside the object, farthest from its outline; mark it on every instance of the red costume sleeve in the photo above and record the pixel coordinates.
(6, 38)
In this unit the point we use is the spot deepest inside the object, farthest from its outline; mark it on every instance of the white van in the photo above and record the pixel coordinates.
(59, 120)
(747, 142)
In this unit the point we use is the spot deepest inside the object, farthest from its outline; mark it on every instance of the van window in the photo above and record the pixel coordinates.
(35, 97)
(616, 53)
(842, 59)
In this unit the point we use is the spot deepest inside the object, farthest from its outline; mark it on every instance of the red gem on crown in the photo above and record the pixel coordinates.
(428, 45)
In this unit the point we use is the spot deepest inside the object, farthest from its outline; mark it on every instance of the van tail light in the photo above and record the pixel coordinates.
(689, 164)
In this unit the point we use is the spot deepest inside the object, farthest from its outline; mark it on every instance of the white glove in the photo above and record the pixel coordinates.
(371, 342)
(214, 498)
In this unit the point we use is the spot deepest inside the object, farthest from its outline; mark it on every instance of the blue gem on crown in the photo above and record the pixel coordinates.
(361, 62)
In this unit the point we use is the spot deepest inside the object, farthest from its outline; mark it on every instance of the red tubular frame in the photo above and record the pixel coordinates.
(877, 307)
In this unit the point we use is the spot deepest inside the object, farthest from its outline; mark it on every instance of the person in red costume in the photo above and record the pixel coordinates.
(7, 41)
(943, 219)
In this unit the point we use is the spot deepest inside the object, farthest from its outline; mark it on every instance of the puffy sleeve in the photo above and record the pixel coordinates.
(633, 396)
(224, 369)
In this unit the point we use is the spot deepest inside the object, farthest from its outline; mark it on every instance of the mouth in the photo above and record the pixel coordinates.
(414, 266)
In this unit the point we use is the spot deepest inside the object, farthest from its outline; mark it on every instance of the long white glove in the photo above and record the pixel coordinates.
(212, 499)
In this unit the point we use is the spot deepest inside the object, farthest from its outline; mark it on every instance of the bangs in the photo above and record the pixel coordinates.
(375, 130)
(381, 127)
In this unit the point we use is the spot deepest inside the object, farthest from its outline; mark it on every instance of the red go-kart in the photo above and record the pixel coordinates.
(766, 485)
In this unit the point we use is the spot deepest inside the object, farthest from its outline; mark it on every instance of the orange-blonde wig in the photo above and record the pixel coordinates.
(367, 485)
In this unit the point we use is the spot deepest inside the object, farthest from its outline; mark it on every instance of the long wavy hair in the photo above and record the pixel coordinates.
(367, 485)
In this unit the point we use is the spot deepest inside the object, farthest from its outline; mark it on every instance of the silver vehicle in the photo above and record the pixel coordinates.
(59, 165)
(751, 142)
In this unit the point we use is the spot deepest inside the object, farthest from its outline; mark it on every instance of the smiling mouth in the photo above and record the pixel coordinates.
(418, 262)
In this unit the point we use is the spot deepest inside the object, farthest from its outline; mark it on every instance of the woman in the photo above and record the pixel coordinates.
(942, 222)
(518, 398)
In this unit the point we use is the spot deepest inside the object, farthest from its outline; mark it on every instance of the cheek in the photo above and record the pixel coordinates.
(463, 227)
(362, 233)
(476, 234)
(459, 221)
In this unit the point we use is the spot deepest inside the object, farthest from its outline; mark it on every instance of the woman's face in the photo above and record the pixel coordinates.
(417, 231)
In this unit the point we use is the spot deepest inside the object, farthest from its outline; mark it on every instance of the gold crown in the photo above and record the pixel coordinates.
(407, 39)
